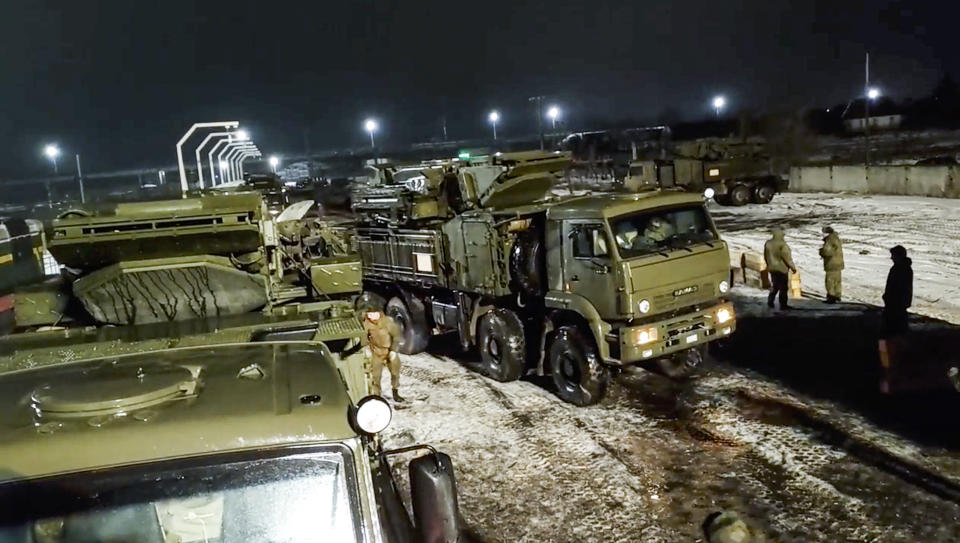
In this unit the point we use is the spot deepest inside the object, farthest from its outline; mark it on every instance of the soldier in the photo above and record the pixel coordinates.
(832, 255)
(658, 230)
(380, 333)
(626, 234)
(776, 254)
(898, 295)
(726, 527)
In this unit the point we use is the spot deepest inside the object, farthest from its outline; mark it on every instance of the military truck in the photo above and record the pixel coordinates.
(732, 173)
(262, 434)
(574, 287)
(206, 256)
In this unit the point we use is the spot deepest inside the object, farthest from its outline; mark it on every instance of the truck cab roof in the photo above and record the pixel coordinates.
(182, 402)
(610, 205)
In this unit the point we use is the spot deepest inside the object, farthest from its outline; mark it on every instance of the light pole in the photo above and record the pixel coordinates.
(183, 172)
(554, 114)
(244, 151)
(213, 178)
(370, 125)
(52, 152)
(255, 153)
(200, 147)
(494, 117)
(539, 101)
(274, 162)
(719, 102)
(234, 151)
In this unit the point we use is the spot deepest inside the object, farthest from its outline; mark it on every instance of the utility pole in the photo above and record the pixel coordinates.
(83, 198)
(539, 101)
(443, 121)
(866, 114)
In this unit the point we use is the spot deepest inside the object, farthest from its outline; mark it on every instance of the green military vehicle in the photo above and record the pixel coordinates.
(206, 256)
(573, 287)
(255, 433)
(731, 172)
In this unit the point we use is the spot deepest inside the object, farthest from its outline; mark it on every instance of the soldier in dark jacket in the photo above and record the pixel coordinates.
(898, 295)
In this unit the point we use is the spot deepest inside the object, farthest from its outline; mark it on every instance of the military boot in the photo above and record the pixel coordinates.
(397, 397)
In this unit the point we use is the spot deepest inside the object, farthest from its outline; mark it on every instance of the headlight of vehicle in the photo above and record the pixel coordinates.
(644, 306)
(372, 415)
(724, 287)
(642, 336)
(724, 314)
(708, 193)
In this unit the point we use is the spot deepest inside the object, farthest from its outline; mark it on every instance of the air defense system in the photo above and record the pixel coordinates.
(265, 432)
(733, 172)
(573, 287)
(207, 256)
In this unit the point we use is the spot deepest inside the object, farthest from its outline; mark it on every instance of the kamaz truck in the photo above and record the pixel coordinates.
(573, 287)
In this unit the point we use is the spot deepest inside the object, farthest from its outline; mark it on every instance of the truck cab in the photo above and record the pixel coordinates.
(272, 439)
(649, 271)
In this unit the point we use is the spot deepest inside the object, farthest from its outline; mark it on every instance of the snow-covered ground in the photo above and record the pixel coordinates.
(654, 458)
(868, 225)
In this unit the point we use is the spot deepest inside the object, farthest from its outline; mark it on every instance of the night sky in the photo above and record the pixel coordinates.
(119, 81)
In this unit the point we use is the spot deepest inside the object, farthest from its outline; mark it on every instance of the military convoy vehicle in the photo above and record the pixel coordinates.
(205, 256)
(573, 287)
(733, 173)
(258, 433)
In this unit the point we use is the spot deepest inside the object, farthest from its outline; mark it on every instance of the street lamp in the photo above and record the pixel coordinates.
(52, 152)
(201, 146)
(274, 162)
(554, 114)
(251, 153)
(719, 102)
(213, 178)
(494, 118)
(873, 93)
(242, 135)
(232, 156)
(370, 125)
(183, 172)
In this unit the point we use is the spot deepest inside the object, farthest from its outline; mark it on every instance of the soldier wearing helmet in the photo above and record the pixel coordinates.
(380, 331)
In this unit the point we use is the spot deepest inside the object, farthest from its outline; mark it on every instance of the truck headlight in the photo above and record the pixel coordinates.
(724, 314)
(372, 415)
(642, 336)
(723, 287)
(708, 193)
(644, 306)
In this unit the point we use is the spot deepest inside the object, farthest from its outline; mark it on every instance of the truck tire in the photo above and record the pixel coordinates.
(764, 193)
(369, 301)
(502, 347)
(739, 195)
(528, 264)
(412, 336)
(578, 374)
(683, 365)
(722, 199)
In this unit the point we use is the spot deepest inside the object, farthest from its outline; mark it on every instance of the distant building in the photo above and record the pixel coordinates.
(885, 114)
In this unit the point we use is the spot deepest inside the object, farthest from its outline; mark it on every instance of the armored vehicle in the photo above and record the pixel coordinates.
(573, 287)
(200, 257)
(273, 438)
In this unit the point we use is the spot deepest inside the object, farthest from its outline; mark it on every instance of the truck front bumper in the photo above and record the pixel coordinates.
(661, 338)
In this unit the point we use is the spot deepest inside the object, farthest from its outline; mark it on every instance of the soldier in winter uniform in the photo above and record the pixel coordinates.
(380, 331)
(776, 254)
(832, 255)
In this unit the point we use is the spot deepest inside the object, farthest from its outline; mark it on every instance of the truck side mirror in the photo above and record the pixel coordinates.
(433, 490)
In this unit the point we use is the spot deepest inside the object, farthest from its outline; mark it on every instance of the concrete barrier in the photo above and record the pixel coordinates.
(935, 181)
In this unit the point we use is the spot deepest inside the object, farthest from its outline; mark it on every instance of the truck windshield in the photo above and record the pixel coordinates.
(657, 231)
(306, 497)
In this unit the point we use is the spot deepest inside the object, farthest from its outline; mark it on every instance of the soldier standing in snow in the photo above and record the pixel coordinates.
(380, 334)
(832, 255)
(898, 295)
(776, 254)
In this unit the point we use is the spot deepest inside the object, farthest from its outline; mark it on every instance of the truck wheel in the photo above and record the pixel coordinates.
(739, 195)
(412, 336)
(500, 338)
(764, 194)
(369, 301)
(722, 199)
(682, 365)
(580, 377)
